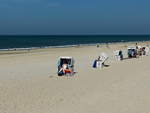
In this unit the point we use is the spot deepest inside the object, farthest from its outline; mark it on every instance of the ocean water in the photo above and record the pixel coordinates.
(9, 42)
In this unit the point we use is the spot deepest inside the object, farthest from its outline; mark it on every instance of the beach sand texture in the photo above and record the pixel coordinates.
(29, 82)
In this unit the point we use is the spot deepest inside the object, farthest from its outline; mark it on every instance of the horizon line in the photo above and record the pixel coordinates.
(142, 34)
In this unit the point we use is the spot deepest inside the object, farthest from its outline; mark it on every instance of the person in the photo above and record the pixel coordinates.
(62, 69)
(99, 57)
(136, 44)
(140, 52)
(97, 45)
(133, 53)
(143, 51)
(120, 55)
(129, 53)
(65, 69)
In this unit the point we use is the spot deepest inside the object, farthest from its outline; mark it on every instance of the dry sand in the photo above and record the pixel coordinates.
(29, 83)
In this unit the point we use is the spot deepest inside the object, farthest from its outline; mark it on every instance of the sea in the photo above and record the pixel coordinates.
(8, 42)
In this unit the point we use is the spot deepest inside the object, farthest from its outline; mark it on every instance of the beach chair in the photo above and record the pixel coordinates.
(68, 63)
(101, 61)
(132, 52)
(117, 56)
(146, 51)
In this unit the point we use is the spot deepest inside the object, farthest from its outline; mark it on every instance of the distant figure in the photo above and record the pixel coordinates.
(136, 44)
(120, 55)
(97, 45)
(133, 53)
(143, 51)
(99, 57)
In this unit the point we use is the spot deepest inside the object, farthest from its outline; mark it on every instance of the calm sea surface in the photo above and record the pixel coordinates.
(7, 42)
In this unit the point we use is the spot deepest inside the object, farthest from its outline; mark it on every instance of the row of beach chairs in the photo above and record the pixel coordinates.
(66, 64)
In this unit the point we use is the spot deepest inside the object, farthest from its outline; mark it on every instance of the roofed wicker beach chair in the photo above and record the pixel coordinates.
(65, 66)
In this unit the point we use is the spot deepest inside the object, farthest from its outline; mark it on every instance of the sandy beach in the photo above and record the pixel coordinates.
(29, 82)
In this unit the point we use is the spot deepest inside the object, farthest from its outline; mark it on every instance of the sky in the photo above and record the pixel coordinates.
(52, 17)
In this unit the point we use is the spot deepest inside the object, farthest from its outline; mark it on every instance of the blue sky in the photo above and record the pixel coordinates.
(74, 17)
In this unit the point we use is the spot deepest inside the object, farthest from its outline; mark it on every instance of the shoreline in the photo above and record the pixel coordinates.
(42, 49)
